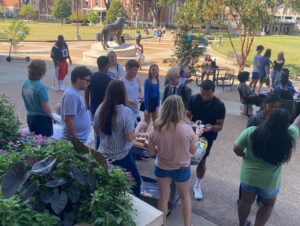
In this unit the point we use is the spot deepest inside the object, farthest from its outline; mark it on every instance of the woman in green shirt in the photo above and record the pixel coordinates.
(264, 150)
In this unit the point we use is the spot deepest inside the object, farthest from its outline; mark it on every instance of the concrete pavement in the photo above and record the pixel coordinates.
(221, 182)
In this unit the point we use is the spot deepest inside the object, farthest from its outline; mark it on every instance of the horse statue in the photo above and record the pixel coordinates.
(114, 29)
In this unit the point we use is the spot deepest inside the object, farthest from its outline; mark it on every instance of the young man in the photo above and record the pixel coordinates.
(76, 119)
(270, 103)
(133, 87)
(95, 92)
(256, 67)
(211, 111)
(59, 54)
(174, 87)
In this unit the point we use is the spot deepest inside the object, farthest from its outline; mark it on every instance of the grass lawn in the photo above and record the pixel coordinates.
(288, 44)
(48, 31)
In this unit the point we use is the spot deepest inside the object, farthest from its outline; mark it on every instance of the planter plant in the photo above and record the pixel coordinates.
(46, 182)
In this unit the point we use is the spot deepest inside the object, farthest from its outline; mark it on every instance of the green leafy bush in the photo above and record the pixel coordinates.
(52, 176)
(47, 182)
(14, 212)
(9, 124)
(184, 45)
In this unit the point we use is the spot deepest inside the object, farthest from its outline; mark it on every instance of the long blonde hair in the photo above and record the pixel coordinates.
(171, 112)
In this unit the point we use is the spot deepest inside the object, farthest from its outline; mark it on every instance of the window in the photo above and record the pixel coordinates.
(288, 17)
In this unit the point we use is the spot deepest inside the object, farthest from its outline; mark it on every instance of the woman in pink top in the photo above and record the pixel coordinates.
(173, 141)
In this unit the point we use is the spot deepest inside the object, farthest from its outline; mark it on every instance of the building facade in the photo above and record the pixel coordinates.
(285, 23)
(135, 10)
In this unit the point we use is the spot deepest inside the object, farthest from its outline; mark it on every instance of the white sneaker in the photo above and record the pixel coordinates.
(198, 192)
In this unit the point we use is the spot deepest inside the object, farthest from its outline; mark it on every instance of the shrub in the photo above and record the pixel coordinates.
(9, 124)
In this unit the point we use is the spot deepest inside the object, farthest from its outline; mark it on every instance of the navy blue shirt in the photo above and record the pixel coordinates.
(59, 53)
(97, 88)
(151, 91)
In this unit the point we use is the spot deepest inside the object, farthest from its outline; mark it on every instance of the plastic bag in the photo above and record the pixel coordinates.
(201, 150)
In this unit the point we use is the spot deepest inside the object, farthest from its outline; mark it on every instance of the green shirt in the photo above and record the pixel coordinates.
(255, 171)
(34, 93)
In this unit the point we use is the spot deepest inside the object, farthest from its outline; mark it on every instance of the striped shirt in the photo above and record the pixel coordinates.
(116, 146)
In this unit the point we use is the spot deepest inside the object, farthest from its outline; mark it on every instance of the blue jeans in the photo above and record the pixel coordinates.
(182, 174)
(97, 142)
(264, 193)
(129, 165)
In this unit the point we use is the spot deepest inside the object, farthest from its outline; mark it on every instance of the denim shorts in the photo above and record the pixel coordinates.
(264, 193)
(182, 174)
(255, 75)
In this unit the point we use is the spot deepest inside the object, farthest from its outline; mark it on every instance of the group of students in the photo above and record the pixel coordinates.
(281, 84)
(278, 78)
(114, 103)
(115, 111)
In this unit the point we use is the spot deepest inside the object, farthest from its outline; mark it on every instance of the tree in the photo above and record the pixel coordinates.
(197, 12)
(115, 10)
(185, 45)
(28, 11)
(61, 10)
(244, 17)
(155, 9)
(81, 17)
(16, 32)
(293, 5)
(2, 12)
(92, 17)
(248, 17)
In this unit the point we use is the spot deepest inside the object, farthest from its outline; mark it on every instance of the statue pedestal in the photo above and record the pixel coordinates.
(124, 52)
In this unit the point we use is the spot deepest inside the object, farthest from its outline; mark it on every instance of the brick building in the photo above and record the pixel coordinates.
(144, 15)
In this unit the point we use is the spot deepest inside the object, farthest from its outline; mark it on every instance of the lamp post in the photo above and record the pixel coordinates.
(87, 7)
(137, 13)
(77, 28)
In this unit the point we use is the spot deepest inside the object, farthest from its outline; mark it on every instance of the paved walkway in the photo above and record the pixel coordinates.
(221, 182)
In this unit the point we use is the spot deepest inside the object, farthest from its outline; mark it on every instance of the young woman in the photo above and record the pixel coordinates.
(151, 94)
(207, 68)
(36, 100)
(277, 66)
(264, 150)
(284, 87)
(139, 52)
(173, 141)
(115, 126)
(185, 73)
(115, 70)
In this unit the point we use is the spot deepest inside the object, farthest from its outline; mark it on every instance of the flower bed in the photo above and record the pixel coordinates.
(47, 183)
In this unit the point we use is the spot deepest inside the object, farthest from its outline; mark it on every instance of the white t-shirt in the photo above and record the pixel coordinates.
(116, 72)
(132, 89)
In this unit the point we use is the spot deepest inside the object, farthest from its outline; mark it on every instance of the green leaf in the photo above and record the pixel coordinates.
(14, 179)
(44, 166)
(59, 201)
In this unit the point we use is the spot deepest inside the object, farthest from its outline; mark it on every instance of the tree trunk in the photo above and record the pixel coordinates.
(155, 13)
(207, 28)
